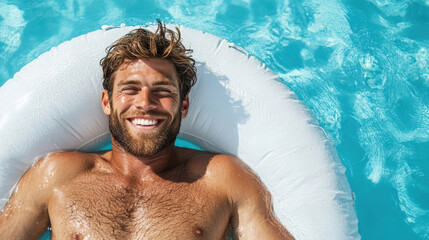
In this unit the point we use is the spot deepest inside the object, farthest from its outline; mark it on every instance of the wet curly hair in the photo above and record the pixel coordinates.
(141, 43)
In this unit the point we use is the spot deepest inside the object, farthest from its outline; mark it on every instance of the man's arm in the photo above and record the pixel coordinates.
(252, 210)
(25, 216)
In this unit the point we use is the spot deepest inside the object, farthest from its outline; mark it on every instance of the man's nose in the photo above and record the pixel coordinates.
(144, 100)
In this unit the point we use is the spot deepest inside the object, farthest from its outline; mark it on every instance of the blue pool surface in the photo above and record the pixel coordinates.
(362, 67)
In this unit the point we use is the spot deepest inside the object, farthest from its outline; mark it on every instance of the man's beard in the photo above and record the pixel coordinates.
(146, 144)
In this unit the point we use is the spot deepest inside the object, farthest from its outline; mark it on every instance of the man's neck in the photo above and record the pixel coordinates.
(138, 166)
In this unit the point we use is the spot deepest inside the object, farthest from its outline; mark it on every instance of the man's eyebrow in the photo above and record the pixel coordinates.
(157, 83)
(164, 82)
(128, 82)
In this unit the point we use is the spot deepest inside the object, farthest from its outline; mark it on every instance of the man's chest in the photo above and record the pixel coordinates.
(101, 208)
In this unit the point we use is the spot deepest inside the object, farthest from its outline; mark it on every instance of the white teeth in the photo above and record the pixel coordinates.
(144, 122)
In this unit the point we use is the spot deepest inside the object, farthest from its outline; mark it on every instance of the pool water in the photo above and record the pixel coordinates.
(361, 66)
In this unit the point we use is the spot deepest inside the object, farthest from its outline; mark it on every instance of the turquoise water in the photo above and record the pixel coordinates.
(361, 66)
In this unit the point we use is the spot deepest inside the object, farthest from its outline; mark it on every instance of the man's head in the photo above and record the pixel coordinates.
(140, 44)
(147, 78)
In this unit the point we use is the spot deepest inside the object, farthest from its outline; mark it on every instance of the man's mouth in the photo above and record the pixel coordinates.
(145, 123)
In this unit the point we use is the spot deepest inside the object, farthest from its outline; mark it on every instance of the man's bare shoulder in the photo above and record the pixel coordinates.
(252, 210)
(60, 167)
(234, 178)
(75, 161)
(212, 166)
(30, 198)
(227, 166)
(221, 169)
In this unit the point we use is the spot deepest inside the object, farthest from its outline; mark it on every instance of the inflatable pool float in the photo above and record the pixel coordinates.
(238, 106)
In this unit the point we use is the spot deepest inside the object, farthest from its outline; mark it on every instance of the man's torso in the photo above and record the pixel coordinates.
(99, 203)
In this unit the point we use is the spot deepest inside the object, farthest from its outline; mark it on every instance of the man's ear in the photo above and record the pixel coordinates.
(185, 106)
(105, 103)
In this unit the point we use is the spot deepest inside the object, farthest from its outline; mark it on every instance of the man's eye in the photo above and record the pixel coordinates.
(162, 91)
(130, 90)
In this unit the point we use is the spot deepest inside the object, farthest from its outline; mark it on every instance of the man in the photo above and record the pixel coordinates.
(145, 188)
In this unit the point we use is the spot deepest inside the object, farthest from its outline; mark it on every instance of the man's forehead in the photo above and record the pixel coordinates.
(163, 69)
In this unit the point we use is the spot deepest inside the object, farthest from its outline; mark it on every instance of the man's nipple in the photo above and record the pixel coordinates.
(77, 236)
(197, 231)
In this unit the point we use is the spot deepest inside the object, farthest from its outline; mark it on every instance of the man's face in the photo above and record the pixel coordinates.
(145, 109)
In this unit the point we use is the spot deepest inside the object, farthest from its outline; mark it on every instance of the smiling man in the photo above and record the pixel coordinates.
(145, 187)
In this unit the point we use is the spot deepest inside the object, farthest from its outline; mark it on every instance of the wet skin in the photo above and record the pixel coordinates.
(147, 189)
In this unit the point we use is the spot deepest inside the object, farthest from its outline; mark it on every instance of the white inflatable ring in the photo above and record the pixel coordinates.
(238, 107)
